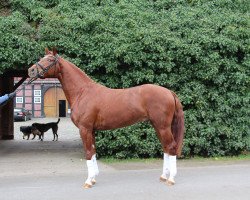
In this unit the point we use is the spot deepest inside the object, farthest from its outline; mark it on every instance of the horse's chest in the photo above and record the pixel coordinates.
(81, 116)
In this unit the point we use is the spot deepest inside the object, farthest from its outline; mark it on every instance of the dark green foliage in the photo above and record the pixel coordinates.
(197, 48)
(137, 141)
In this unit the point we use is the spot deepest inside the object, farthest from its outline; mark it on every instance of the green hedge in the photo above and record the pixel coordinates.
(137, 141)
(197, 48)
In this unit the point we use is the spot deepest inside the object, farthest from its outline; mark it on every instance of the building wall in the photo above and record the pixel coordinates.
(31, 96)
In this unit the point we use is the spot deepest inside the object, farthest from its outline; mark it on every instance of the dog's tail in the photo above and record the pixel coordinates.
(58, 120)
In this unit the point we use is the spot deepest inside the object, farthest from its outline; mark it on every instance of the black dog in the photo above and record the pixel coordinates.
(45, 127)
(27, 130)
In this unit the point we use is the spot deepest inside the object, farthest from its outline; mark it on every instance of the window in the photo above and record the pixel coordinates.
(37, 93)
(19, 99)
(37, 99)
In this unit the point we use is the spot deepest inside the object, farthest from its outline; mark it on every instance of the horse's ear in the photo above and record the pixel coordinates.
(54, 50)
(46, 51)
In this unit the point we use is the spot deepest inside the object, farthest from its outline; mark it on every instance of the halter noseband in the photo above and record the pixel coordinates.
(46, 69)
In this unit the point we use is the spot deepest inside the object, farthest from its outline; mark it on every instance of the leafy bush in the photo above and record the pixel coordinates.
(137, 141)
(197, 48)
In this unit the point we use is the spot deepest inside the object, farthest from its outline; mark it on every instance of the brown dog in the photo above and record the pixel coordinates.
(45, 127)
(28, 130)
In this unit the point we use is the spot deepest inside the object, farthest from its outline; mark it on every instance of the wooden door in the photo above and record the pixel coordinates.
(51, 101)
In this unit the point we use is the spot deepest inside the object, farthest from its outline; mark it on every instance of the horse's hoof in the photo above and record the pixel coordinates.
(162, 179)
(93, 182)
(170, 182)
(87, 186)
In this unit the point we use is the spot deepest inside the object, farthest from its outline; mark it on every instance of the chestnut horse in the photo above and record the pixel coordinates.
(96, 107)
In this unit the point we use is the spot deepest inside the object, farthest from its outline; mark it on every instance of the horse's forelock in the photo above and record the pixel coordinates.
(48, 56)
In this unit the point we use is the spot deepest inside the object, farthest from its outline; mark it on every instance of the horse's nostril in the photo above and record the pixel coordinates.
(31, 72)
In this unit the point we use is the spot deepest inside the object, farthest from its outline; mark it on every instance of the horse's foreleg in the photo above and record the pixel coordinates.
(96, 169)
(91, 173)
(94, 157)
(87, 139)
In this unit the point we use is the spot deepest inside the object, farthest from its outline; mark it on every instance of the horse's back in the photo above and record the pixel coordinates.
(139, 97)
(119, 108)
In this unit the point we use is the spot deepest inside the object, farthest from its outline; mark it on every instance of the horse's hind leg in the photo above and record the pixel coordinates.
(169, 169)
(169, 148)
(165, 169)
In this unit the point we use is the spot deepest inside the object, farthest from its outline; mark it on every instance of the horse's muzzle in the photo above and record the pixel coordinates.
(32, 72)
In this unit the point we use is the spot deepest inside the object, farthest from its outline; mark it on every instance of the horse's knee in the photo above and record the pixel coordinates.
(89, 155)
(89, 152)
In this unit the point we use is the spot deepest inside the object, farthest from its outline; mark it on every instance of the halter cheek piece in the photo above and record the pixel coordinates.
(46, 69)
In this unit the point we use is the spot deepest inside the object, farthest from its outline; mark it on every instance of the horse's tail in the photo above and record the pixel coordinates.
(58, 120)
(177, 125)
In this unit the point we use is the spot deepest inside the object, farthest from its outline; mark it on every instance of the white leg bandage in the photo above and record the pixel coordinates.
(172, 167)
(166, 166)
(95, 165)
(91, 172)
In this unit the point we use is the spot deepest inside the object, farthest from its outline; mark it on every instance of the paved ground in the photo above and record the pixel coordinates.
(56, 171)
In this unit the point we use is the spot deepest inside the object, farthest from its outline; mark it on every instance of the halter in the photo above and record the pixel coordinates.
(40, 74)
(46, 69)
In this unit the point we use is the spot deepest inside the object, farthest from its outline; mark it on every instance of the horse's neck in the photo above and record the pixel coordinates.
(73, 80)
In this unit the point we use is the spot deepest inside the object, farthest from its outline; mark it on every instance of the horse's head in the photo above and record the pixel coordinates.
(46, 67)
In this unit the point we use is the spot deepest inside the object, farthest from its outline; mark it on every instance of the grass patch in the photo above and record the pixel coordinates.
(245, 156)
(131, 160)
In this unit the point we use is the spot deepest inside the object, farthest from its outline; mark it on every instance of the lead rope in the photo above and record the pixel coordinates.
(23, 85)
